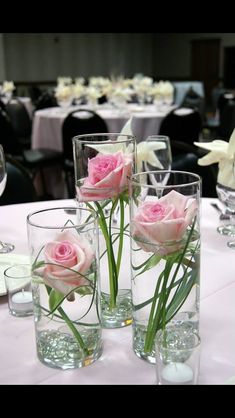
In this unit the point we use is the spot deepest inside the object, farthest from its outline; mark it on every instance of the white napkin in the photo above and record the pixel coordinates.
(221, 152)
(145, 149)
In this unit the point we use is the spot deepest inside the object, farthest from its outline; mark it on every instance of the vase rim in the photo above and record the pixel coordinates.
(65, 209)
(195, 179)
(121, 138)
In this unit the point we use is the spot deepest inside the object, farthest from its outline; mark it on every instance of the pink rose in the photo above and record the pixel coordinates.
(67, 252)
(160, 225)
(107, 176)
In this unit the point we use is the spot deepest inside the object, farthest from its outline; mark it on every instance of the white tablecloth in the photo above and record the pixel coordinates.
(47, 124)
(47, 132)
(118, 363)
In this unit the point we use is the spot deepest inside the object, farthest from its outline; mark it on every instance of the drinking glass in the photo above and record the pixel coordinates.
(4, 247)
(159, 152)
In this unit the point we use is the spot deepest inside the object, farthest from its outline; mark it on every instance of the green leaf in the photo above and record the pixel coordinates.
(84, 290)
(36, 266)
(55, 299)
(150, 263)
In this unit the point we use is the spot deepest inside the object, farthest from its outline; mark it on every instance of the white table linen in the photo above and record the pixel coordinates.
(47, 124)
(118, 363)
(47, 132)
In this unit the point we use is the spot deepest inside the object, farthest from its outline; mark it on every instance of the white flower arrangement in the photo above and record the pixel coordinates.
(8, 87)
(64, 93)
(92, 93)
(78, 90)
(64, 81)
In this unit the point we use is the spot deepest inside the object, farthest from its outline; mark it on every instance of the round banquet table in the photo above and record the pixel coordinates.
(118, 364)
(47, 123)
(47, 133)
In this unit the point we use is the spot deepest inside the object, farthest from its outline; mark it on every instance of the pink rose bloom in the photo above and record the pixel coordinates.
(70, 251)
(160, 225)
(107, 176)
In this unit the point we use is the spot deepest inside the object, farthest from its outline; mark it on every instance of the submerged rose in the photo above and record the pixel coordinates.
(107, 176)
(70, 258)
(160, 225)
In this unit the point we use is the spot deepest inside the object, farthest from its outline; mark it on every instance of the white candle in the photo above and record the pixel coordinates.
(22, 301)
(177, 373)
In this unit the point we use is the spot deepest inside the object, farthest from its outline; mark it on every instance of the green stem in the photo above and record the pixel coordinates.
(111, 259)
(72, 327)
(161, 317)
(74, 331)
(155, 319)
(121, 235)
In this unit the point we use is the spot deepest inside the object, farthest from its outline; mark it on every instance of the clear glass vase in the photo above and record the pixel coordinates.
(102, 164)
(63, 245)
(165, 255)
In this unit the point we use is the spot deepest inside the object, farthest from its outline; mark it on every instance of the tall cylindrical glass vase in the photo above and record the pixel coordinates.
(63, 245)
(103, 162)
(165, 255)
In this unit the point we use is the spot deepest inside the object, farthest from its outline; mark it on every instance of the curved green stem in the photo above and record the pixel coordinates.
(121, 235)
(72, 327)
(74, 331)
(111, 259)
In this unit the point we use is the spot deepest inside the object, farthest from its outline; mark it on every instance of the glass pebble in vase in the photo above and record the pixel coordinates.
(103, 163)
(165, 255)
(63, 244)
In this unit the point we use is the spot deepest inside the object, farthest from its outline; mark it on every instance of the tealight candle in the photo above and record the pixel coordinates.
(22, 301)
(179, 373)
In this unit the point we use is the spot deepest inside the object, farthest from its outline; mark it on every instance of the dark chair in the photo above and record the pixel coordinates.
(46, 100)
(34, 93)
(20, 121)
(8, 138)
(78, 122)
(182, 124)
(193, 100)
(223, 100)
(34, 160)
(19, 187)
(185, 158)
(227, 121)
(2, 106)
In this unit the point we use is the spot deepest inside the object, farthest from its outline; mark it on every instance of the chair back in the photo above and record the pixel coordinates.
(45, 100)
(19, 187)
(185, 158)
(19, 117)
(227, 121)
(193, 100)
(182, 124)
(80, 122)
(8, 138)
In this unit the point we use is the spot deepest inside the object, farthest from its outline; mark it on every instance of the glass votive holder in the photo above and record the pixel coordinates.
(177, 356)
(18, 285)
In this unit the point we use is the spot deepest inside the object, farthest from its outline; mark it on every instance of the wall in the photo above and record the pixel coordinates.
(45, 56)
(2, 58)
(172, 52)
